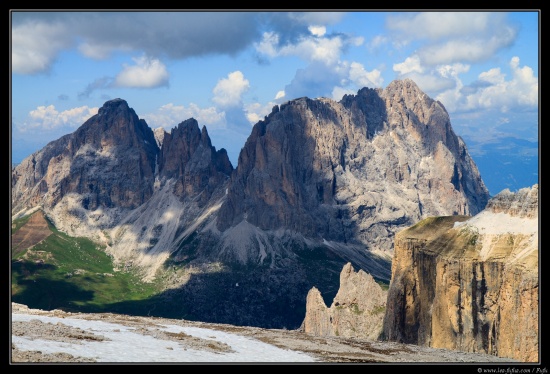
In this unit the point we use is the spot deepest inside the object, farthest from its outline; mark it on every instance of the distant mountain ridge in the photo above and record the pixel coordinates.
(319, 184)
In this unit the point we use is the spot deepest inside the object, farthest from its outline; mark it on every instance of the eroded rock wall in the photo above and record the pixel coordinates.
(357, 310)
(470, 283)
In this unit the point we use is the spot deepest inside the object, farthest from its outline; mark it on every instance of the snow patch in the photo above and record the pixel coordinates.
(123, 344)
(490, 227)
(488, 222)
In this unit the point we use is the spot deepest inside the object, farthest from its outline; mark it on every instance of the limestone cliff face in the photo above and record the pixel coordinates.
(108, 162)
(319, 183)
(353, 172)
(357, 310)
(470, 283)
(133, 190)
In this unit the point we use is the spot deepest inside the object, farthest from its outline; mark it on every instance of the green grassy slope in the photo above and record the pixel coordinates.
(73, 274)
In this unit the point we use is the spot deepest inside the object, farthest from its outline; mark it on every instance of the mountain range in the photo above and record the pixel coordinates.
(318, 184)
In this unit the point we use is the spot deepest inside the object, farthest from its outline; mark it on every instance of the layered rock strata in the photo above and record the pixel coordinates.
(319, 184)
(352, 172)
(470, 283)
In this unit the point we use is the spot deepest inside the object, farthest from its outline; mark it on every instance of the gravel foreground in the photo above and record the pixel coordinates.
(321, 349)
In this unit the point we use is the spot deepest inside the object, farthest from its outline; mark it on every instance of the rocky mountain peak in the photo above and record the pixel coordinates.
(349, 171)
(406, 84)
(113, 106)
(523, 203)
(205, 139)
(188, 156)
(109, 162)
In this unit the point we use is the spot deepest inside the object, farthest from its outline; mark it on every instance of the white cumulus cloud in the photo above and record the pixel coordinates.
(493, 91)
(411, 64)
(364, 78)
(170, 115)
(228, 91)
(268, 44)
(146, 73)
(452, 70)
(317, 30)
(49, 118)
(521, 90)
(493, 76)
(35, 46)
(316, 47)
(525, 83)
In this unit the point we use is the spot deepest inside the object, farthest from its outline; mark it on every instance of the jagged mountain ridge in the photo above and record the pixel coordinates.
(319, 184)
(352, 172)
(113, 144)
(111, 181)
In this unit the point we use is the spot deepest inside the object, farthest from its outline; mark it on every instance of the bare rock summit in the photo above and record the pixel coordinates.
(319, 183)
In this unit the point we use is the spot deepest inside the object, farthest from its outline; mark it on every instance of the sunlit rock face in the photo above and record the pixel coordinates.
(470, 283)
(319, 184)
(118, 182)
(187, 155)
(109, 162)
(357, 310)
(353, 172)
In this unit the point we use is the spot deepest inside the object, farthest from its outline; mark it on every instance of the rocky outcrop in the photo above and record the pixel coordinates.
(470, 283)
(356, 312)
(319, 184)
(159, 135)
(522, 204)
(187, 155)
(30, 234)
(352, 172)
(108, 162)
(117, 182)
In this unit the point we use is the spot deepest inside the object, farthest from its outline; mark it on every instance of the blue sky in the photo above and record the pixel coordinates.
(228, 69)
